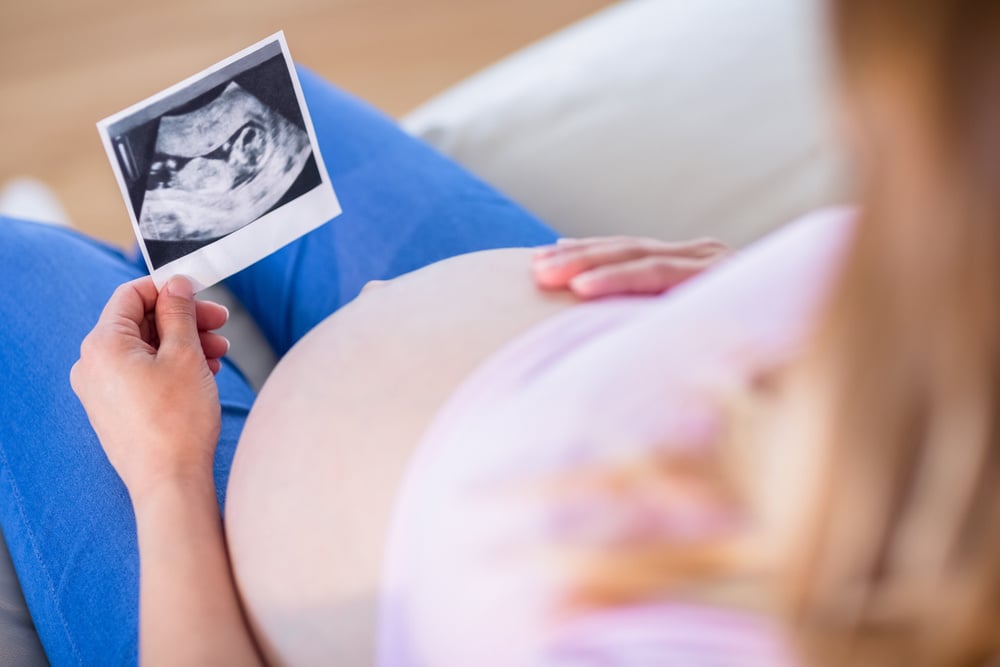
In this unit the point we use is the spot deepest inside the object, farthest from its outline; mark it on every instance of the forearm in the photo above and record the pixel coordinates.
(190, 613)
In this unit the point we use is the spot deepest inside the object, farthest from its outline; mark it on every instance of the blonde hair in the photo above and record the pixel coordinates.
(896, 557)
(899, 559)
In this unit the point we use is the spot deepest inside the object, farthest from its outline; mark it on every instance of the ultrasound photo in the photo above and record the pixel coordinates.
(212, 155)
(219, 167)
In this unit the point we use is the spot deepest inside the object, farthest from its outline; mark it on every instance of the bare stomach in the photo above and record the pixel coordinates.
(326, 444)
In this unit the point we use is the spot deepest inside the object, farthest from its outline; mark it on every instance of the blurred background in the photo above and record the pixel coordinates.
(65, 64)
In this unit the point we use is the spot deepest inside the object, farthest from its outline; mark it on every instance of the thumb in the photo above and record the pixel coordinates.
(176, 323)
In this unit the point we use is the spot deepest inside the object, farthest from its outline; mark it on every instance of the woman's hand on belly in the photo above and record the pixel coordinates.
(616, 265)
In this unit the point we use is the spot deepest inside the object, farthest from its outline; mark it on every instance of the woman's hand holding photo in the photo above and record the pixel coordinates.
(145, 377)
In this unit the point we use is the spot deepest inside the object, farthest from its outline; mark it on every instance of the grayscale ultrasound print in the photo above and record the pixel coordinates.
(218, 168)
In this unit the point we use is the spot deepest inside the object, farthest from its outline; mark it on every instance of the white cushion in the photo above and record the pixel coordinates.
(667, 118)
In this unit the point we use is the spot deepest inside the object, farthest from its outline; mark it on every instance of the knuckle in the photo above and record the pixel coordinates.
(88, 346)
(80, 376)
(588, 255)
(176, 308)
(650, 246)
(576, 259)
(619, 251)
(174, 322)
(74, 377)
(660, 269)
(653, 263)
(120, 293)
(712, 244)
(664, 268)
(93, 348)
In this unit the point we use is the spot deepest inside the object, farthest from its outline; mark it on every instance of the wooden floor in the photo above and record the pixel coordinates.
(64, 64)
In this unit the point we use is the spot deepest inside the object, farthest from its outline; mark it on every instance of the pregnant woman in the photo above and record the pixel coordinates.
(791, 457)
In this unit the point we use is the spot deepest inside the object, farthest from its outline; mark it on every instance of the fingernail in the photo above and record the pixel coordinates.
(181, 287)
(227, 312)
(228, 345)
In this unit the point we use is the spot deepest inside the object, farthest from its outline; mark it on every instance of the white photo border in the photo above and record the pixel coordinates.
(222, 258)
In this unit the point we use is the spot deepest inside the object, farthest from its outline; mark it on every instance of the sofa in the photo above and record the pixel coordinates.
(661, 118)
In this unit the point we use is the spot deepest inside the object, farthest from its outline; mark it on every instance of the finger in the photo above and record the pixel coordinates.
(210, 315)
(700, 247)
(649, 275)
(569, 242)
(703, 248)
(130, 302)
(563, 244)
(213, 345)
(214, 365)
(176, 323)
(556, 271)
(541, 252)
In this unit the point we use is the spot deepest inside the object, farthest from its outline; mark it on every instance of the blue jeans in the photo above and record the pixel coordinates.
(64, 511)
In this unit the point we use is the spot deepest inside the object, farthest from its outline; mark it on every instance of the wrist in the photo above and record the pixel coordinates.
(194, 483)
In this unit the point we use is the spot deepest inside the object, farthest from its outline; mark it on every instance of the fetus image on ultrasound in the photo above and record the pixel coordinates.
(217, 168)
(228, 166)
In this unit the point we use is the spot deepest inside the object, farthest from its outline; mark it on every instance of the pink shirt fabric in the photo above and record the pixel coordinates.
(465, 579)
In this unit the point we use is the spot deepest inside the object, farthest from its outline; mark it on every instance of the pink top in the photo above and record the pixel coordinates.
(465, 582)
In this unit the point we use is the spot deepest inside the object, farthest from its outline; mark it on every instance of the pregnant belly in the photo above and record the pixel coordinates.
(326, 445)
